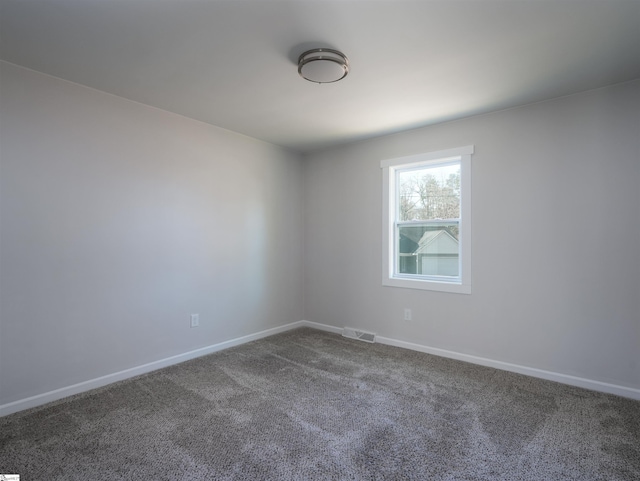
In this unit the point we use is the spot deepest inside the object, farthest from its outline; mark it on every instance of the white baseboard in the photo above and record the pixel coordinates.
(321, 327)
(57, 394)
(616, 389)
(599, 386)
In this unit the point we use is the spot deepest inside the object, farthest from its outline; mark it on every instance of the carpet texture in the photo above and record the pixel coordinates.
(309, 405)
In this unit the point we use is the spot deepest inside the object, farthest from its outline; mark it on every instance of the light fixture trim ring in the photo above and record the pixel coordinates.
(323, 55)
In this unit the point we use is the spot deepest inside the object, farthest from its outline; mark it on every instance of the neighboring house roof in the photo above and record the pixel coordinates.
(414, 234)
(437, 242)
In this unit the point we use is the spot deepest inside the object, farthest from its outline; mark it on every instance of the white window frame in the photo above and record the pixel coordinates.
(461, 284)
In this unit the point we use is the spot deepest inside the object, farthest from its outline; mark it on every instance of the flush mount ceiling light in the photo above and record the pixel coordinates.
(323, 65)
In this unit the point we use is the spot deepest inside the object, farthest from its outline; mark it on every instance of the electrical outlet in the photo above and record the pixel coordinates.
(195, 320)
(407, 314)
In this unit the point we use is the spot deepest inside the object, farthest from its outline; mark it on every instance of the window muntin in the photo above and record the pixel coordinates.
(427, 220)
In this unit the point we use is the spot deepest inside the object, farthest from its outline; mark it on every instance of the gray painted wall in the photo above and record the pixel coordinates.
(556, 236)
(119, 220)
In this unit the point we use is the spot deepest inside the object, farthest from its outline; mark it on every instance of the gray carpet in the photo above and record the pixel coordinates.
(311, 405)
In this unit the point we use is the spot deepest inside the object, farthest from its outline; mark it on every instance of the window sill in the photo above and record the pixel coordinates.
(427, 285)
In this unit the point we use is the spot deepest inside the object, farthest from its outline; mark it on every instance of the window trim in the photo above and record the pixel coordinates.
(461, 285)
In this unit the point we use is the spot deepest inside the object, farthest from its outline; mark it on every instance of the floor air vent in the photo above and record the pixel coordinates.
(358, 334)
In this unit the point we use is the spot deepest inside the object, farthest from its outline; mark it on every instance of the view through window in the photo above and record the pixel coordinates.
(428, 220)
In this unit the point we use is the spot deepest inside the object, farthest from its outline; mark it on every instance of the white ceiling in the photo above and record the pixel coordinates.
(233, 63)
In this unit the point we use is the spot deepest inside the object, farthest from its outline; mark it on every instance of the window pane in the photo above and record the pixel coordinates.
(429, 193)
(429, 249)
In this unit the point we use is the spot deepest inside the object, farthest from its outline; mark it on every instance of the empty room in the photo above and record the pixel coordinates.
(319, 239)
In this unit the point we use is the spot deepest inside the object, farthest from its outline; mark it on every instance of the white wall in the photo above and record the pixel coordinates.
(556, 238)
(119, 220)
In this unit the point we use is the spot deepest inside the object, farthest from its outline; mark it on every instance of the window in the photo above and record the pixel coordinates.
(427, 221)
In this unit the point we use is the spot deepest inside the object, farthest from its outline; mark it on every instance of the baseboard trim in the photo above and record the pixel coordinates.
(57, 394)
(321, 327)
(593, 385)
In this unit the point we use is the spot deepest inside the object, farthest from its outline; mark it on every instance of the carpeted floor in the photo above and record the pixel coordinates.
(308, 405)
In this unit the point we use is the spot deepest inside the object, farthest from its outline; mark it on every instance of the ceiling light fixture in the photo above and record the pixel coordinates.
(323, 65)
